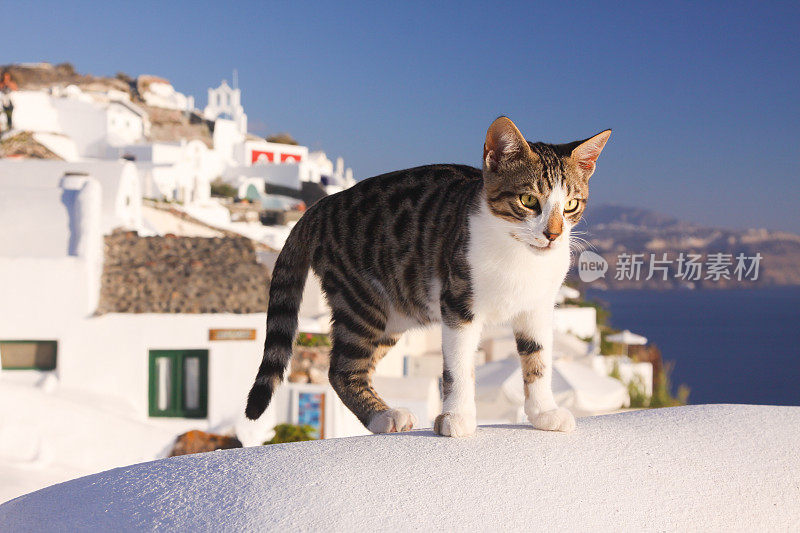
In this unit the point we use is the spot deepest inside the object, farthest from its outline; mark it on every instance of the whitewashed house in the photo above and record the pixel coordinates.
(158, 92)
(182, 369)
(176, 171)
(127, 124)
(51, 255)
(77, 125)
(120, 203)
(253, 161)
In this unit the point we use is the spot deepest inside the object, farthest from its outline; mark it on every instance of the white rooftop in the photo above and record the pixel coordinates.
(699, 468)
(118, 180)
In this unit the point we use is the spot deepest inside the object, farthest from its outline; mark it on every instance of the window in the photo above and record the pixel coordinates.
(178, 383)
(28, 355)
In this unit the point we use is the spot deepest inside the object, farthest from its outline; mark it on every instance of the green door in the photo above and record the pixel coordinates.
(178, 383)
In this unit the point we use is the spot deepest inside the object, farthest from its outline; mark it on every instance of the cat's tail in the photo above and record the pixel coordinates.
(285, 295)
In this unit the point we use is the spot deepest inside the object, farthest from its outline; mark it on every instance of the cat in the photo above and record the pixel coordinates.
(439, 243)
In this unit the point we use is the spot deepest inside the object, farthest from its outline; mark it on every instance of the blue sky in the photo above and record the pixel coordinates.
(703, 97)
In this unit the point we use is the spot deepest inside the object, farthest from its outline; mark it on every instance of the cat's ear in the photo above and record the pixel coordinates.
(504, 143)
(586, 152)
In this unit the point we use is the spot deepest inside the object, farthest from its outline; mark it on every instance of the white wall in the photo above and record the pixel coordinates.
(85, 360)
(34, 111)
(124, 126)
(286, 175)
(108, 355)
(61, 145)
(40, 220)
(176, 171)
(85, 123)
(580, 321)
(49, 274)
(42, 297)
(226, 138)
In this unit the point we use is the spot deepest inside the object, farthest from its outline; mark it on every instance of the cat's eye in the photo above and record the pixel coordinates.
(571, 205)
(529, 201)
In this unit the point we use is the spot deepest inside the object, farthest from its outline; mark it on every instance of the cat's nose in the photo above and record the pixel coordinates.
(551, 236)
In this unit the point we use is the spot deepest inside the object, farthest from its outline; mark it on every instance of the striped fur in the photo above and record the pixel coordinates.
(377, 247)
(419, 246)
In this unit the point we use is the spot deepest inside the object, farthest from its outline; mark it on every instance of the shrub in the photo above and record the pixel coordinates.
(291, 433)
(282, 138)
(606, 347)
(313, 340)
(637, 394)
(221, 189)
(65, 68)
(662, 395)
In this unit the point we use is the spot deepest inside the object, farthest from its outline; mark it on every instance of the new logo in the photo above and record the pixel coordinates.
(591, 266)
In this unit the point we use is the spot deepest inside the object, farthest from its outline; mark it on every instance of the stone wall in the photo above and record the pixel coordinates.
(181, 275)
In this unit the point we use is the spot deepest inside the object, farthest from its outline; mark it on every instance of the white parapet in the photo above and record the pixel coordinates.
(698, 468)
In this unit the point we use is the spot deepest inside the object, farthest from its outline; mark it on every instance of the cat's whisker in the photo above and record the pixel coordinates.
(579, 244)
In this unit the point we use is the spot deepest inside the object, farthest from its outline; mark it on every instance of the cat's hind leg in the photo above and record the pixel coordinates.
(353, 359)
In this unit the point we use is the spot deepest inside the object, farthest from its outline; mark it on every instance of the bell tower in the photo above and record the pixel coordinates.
(225, 102)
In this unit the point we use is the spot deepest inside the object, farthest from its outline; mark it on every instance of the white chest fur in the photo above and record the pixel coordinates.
(508, 277)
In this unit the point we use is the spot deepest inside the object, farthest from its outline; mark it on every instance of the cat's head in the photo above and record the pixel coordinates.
(539, 190)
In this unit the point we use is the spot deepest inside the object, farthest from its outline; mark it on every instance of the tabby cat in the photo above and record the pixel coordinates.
(438, 243)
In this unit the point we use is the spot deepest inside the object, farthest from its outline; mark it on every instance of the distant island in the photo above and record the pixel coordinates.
(613, 231)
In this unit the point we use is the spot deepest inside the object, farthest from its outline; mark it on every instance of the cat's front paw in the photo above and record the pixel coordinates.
(554, 420)
(455, 425)
(392, 421)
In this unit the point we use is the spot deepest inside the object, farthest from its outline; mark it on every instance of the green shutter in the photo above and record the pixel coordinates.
(170, 395)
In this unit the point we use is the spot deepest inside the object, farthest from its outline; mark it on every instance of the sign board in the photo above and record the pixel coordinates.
(232, 334)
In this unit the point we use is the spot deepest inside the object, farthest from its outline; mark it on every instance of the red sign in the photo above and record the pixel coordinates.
(290, 157)
(259, 156)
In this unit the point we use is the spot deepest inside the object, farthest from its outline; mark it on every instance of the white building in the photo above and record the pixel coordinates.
(119, 205)
(225, 102)
(50, 258)
(77, 125)
(176, 171)
(158, 92)
(186, 370)
(80, 125)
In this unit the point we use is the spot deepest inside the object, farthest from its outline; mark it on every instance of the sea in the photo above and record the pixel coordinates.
(728, 346)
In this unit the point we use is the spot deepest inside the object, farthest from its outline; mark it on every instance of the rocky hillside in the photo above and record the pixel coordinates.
(616, 230)
(169, 125)
(33, 76)
(182, 275)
